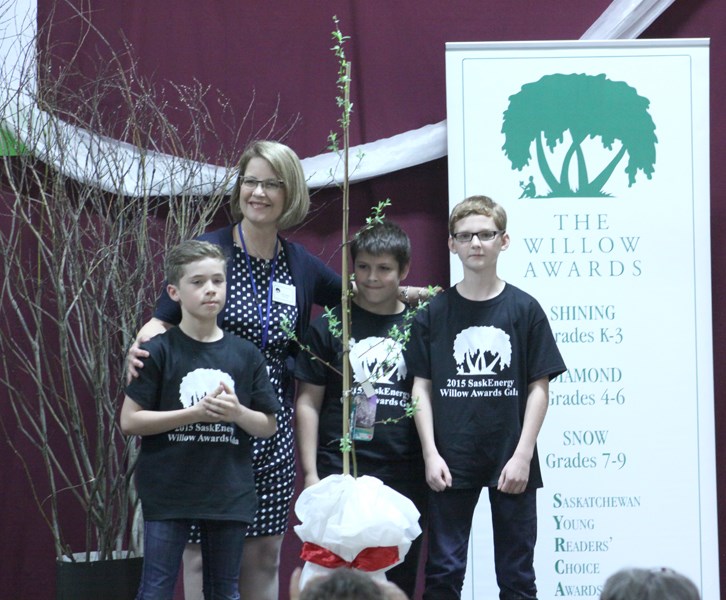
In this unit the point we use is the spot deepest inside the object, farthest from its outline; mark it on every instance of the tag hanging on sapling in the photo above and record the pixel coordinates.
(363, 415)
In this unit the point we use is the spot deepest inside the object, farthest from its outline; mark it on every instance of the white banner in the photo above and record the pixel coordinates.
(599, 151)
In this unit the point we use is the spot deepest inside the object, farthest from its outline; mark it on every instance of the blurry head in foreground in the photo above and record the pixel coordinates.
(649, 584)
(349, 584)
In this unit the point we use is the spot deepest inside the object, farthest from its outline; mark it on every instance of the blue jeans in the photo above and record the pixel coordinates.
(164, 542)
(514, 526)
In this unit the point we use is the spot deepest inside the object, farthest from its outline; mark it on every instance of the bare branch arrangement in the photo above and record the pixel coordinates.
(80, 272)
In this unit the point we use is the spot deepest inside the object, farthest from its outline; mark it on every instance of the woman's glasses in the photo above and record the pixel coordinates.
(269, 185)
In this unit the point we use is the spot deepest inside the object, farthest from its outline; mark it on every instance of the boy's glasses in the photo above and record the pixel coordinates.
(464, 237)
(269, 185)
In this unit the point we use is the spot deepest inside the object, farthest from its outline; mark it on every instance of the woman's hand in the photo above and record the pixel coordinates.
(133, 359)
(151, 328)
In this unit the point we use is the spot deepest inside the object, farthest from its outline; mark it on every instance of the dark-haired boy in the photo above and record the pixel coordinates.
(482, 354)
(200, 396)
(381, 256)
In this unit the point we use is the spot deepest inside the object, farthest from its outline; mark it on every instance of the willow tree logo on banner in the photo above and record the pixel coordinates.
(560, 109)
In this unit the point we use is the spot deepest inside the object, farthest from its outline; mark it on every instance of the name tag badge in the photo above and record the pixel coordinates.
(283, 293)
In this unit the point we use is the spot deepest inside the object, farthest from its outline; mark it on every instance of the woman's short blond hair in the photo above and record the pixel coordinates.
(287, 167)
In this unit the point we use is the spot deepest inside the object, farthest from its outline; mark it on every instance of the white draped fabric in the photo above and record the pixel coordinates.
(153, 173)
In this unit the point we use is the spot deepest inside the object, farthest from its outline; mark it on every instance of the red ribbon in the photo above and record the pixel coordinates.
(368, 559)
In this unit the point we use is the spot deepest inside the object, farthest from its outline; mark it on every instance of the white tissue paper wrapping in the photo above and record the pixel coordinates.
(347, 515)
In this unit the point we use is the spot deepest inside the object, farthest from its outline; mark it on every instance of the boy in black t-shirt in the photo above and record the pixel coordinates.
(482, 356)
(200, 396)
(381, 255)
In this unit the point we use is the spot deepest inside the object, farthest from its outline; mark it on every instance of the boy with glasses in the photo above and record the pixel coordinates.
(482, 356)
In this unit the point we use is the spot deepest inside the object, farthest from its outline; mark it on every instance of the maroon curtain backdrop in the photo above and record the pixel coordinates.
(275, 57)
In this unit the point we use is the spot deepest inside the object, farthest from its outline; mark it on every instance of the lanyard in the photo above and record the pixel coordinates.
(264, 321)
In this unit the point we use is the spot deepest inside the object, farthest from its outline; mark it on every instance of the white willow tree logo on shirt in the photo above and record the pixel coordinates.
(377, 359)
(480, 350)
(201, 382)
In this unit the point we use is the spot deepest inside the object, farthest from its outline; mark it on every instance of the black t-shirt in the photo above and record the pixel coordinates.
(394, 451)
(480, 357)
(202, 470)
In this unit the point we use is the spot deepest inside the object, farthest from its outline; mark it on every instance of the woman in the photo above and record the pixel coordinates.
(268, 280)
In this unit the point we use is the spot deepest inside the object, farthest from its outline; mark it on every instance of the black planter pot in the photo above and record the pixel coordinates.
(116, 579)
